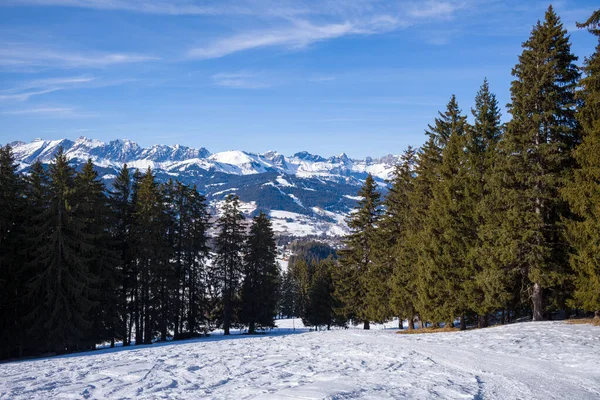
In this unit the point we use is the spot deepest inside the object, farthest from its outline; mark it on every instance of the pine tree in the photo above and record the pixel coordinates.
(196, 256)
(356, 259)
(444, 247)
(321, 303)
(486, 290)
(394, 250)
(150, 234)
(227, 269)
(64, 280)
(12, 215)
(583, 190)
(122, 209)
(92, 207)
(534, 159)
(289, 302)
(35, 236)
(261, 272)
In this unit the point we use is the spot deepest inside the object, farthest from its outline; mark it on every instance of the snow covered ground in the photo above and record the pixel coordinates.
(546, 360)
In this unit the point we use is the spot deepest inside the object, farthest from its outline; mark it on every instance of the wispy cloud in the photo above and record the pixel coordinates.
(300, 35)
(435, 9)
(331, 21)
(169, 7)
(17, 55)
(8, 95)
(51, 112)
(240, 80)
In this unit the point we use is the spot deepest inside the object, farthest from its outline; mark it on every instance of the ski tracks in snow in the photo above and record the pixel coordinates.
(548, 360)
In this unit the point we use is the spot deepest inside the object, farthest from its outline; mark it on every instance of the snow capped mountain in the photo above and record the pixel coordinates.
(305, 194)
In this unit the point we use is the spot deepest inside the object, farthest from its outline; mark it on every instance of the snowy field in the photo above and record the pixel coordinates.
(546, 360)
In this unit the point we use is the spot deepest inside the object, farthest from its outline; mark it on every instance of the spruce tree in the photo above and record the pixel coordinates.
(486, 291)
(261, 272)
(122, 209)
(583, 190)
(534, 159)
(12, 288)
(92, 207)
(321, 303)
(444, 246)
(150, 233)
(64, 281)
(35, 236)
(356, 260)
(228, 263)
(197, 254)
(394, 249)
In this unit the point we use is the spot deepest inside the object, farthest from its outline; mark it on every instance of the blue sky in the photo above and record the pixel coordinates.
(363, 77)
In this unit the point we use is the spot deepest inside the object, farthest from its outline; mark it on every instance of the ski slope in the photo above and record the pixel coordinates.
(545, 360)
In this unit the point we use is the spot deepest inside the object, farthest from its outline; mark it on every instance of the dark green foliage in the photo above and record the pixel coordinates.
(62, 283)
(356, 260)
(290, 297)
(583, 190)
(395, 256)
(93, 208)
(122, 209)
(261, 274)
(227, 271)
(12, 288)
(321, 303)
(533, 162)
(443, 266)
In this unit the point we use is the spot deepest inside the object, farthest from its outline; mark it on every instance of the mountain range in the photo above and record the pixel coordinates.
(305, 194)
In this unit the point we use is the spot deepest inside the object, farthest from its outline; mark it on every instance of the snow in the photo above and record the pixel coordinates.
(283, 182)
(546, 360)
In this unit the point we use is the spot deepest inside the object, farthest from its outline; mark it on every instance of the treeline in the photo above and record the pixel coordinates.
(490, 219)
(80, 265)
(307, 287)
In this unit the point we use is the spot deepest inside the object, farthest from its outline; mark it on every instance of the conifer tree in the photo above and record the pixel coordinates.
(261, 272)
(122, 209)
(289, 300)
(12, 289)
(534, 159)
(444, 246)
(64, 281)
(35, 236)
(583, 190)
(92, 207)
(196, 256)
(321, 303)
(356, 259)
(486, 290)
(227, 269)
(395, 251)
(150, 233)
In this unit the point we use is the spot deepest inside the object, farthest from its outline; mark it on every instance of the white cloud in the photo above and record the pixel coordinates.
(301, 34)
(434, 9)
(19, 55)
(23, 96)
(168, 7)
(44, 111)
(240, 80)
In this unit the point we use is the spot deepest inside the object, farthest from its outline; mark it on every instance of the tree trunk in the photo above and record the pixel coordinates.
(503, 320)
(366, 325)
(482, 321)
(463, 323)
(400, 323)
(411, 323)
(536, 298)
(597, 314)
(251, 328)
